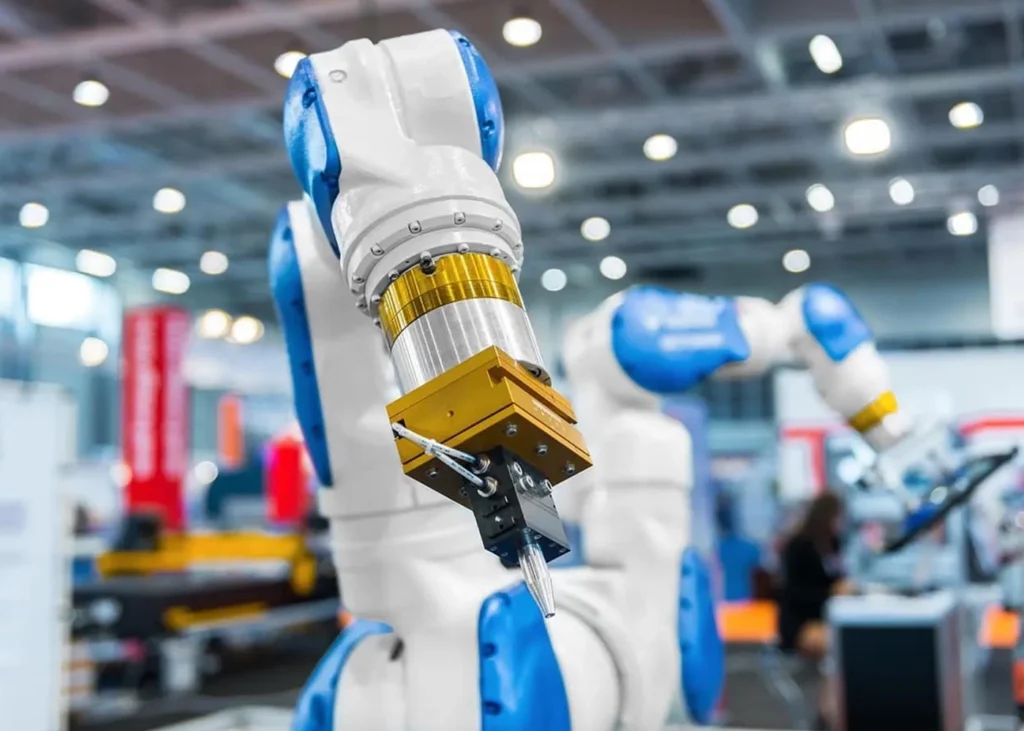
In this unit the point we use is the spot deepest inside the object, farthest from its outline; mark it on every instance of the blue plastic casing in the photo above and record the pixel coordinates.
(310, 143)
(315, 709)
(667, 341)
(833, 321)
(521, 684)
(700, 644)
(486, 100)
(290, 300)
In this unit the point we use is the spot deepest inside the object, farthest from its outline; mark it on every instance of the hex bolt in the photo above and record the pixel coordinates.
(483, 463)
(542, 449)
(569, 468)
(415, 227)
(511, 430)
(376, 250)
(528, 481)
(460, 218)
(517, 468)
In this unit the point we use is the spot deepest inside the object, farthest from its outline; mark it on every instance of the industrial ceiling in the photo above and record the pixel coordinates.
(194, 105)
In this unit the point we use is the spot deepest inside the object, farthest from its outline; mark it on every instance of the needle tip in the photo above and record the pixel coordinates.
(537, 577)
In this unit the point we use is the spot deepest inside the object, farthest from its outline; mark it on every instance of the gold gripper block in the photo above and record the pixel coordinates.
(487, 401)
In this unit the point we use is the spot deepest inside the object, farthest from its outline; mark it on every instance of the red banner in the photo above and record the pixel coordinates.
(286, 482)
(155, 413)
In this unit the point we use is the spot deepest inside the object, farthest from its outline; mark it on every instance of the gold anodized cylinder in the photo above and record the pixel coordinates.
(454, 278)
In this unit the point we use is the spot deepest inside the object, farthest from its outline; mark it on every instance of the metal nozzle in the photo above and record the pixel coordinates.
(536, 574)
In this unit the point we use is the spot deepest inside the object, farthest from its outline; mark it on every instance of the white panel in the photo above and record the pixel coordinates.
(59, 298)
(928, 382)
(8, 288)
(1006, 275)
(35, 435)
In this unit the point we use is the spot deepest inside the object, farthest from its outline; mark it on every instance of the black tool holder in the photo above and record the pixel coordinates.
(513, 506)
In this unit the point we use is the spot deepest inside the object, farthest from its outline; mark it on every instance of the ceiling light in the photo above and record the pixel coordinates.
(91, 93)
(988, 196)
(246, 330)
(213, 324)
(206, 472)
(796, 261)
(171, 281)
(169, 200)
(825, 54)
(95, 263)
(868, 136)
(595, 228)
(33, 215)
(285, 63)
(93, 352)
(521, 31)
(963, 223)
(213, 263)
(743, 215)
(820, 198)
(554, 280)
(660, 147)
(966, 115)
(533, 170)
(901, 191)
(612, 267)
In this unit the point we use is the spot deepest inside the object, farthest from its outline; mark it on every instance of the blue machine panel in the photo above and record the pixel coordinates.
(700, 644)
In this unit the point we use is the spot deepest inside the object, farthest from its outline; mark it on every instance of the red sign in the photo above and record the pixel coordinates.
(286, 482)
(155, 400)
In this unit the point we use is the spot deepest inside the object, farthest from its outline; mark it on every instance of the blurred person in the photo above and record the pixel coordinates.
(812, 573)
(739, 556)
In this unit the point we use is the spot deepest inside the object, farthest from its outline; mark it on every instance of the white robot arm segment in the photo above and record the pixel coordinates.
(396, 145)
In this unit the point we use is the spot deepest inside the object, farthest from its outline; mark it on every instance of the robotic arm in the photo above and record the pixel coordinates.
(396, 144)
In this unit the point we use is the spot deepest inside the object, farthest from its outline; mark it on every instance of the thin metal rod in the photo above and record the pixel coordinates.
(432, 446)
(448, 456)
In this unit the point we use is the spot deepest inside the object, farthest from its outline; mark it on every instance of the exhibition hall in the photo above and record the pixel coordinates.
(511, 365)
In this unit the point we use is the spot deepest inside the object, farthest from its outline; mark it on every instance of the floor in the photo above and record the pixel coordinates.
(276, 679)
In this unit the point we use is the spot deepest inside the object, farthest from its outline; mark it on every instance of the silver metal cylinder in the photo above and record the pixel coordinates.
(448, 335)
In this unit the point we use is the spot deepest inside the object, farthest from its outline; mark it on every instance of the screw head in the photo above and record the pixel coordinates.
(463, 248)
(569, 468)
(546, 486)
(376, 250)
(541, 450)
(528, 481)
(498, 225)
(495, 253)
(432, 473)
(460, 218)
(392, 275)
(376, 322)
(337, 76)
(358, 280)
(361, 305)
(375, 299)
(511, 430)
(517, 468)
(415, 227)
